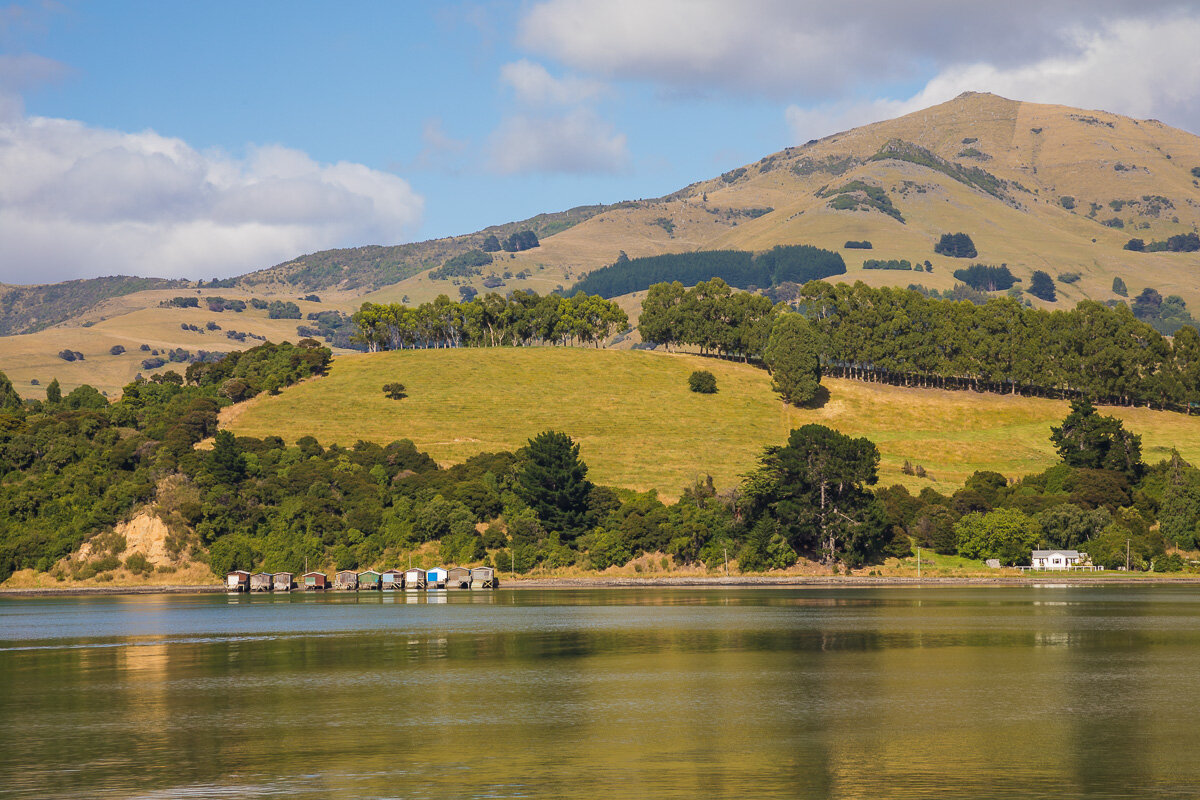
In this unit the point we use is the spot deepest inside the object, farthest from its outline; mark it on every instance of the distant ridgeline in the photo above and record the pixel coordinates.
(797, 263)
(903, 337)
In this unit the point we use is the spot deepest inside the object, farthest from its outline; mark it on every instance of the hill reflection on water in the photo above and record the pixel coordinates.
(844, 693)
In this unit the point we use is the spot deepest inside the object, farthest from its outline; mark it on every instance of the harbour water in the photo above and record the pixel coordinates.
(1008, 692)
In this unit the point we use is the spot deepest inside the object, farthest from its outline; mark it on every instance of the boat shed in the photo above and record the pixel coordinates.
(435, 578)
(238, 581)
(260, 582)
(483, 578)
(282, 581)
(458, 578)
(369, 580)
(391, 579)
(414, 579)
(346, 580)
(315, 581)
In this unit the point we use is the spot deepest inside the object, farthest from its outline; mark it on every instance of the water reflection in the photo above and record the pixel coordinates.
(821, 693)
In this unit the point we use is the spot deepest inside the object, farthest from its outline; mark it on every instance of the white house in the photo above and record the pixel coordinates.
(1057, 559)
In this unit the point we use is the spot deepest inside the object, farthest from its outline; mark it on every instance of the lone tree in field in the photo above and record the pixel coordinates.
(395, 391)
(54, 392)
(792, 356)
(703, 382)
(1086, 439)
(1119, 287)
(955, 245)
(553, 481)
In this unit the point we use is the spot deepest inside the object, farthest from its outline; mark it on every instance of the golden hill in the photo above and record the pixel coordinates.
(1000, 170)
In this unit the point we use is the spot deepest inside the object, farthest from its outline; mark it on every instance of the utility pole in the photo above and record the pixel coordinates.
(1127, 554)
(918, 562)
(512, 564)
(726, 549)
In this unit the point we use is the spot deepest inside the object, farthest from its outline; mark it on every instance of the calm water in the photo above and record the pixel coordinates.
(864, 693)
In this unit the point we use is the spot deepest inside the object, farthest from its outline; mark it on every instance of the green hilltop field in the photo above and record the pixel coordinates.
(640, 427)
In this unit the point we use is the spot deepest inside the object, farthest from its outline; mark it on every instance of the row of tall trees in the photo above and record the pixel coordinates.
(902, 336)
(492, 320)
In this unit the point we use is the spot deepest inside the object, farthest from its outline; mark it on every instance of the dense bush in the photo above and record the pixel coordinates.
(955, 245)
(1041, 286)
(703, 382)
(858, 245)
(280, 309)
(892, 264)
(519, 241)
(986, 278)
(116, 350)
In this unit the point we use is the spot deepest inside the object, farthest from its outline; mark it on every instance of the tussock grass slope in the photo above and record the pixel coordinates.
(640, 427)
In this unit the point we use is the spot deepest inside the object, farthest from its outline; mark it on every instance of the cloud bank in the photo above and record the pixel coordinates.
(1141, 68)
(78, 201)
(555, 127)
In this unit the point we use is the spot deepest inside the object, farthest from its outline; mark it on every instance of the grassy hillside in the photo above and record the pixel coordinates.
(640, 427)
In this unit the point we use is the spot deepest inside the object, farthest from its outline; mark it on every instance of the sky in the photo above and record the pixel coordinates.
(201, 140)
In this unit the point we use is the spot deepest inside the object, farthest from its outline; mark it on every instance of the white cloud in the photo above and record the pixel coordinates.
(79, 201)
(535, 86)
(1141, 68)
(576, 142)
(815, 50)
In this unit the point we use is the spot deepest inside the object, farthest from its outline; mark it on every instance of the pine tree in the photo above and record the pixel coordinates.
(553, 481)
(792, 356)
(54, 392)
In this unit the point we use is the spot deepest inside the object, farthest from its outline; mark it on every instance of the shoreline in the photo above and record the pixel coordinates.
(748, 581)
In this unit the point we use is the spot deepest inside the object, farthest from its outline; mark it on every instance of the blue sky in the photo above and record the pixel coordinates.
(212, 138)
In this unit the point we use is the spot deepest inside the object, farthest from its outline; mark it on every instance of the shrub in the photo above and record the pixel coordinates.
(1114, 222)
(395, 391)
(703, 381)
(1196, 172)
(116, 350)
(153, 363)
(1067, 202)
(1119, 287)
(1136, 245)
(956, 245)
(145, 348)
(139, 564)
(70, 355)
(521, 240)
(854, 245)
(1068, 277)
(311, 298)
(258, 303)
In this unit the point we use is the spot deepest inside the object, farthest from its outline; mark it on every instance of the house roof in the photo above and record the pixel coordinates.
(310, 574)
(1048, 553)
